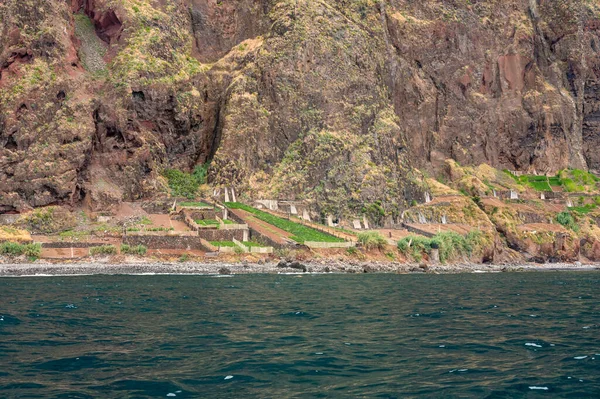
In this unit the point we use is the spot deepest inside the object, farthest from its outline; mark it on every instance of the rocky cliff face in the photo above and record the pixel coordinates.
(335, 102)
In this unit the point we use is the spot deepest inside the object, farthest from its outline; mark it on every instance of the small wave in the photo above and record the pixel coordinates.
(579, 357)
(228, 377)
(539, 388)
(171, 394)
(532, 344)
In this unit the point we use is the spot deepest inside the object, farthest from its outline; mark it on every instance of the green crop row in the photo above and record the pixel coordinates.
(300, 232)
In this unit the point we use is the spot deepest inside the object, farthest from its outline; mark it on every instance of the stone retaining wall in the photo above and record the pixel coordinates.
(221, 235)
(531, 217)
(197, 214)
(418, 231)
(74, 244)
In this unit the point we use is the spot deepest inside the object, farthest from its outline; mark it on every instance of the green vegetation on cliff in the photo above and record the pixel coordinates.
(452, 246)
(186, 184)
(571, 180)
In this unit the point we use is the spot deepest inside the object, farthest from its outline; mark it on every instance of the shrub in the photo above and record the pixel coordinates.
(32, 251)
(451, 245)
(200, 173)
(186, 184)
(374, 212)
(567, 220)
(139, 250)
(372, 240)
(103, 250)
(181, 183)
(50, 219)
(415, 246)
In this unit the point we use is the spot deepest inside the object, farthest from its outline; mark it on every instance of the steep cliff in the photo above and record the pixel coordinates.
(335, 102)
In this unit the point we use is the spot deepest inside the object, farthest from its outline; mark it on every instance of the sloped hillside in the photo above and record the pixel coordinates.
(335, 102)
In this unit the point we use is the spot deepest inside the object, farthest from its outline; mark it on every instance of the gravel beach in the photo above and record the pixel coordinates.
(63, 269)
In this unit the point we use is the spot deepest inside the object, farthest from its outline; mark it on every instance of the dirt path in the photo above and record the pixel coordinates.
(64, 253)
(166, 222)
(274, 233)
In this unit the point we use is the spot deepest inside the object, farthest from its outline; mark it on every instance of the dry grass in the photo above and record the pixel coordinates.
(14, 235)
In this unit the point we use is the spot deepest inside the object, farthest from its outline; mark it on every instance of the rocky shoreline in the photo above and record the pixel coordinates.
(218, 268)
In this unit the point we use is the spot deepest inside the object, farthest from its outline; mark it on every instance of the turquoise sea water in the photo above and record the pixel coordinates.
(315, 336)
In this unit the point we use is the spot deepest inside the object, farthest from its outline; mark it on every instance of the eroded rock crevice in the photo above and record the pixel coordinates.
(108, 25)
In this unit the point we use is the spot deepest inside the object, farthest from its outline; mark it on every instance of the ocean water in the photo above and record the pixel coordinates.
(310, 336)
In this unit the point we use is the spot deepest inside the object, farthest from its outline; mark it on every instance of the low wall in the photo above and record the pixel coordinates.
(233, 227)
(163, 233)
(203, 213)
(550, 195)
(314, 244)
(262, 250)
(75, 244)
(166, 242)
(208, 245)
(531, 217)
(221, 235)
(254, 250)
(418, 231)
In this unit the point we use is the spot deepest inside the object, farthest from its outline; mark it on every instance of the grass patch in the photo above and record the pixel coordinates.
(139, 250)
(372, 240)
(207, 222)
(74, 235)
(540, 185)
(223, 243)
(32, 251)
(300, 232)
(103, 250)
(583, 210)
(554, 181)
(227, 221)
(160, 229)
(196, 205)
